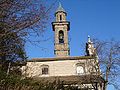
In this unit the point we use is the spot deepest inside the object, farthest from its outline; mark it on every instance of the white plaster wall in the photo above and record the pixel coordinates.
(56, 68)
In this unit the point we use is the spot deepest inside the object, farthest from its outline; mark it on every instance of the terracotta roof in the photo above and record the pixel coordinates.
(60, 58)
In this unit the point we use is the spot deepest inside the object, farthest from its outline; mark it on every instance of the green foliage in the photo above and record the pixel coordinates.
(16, 82)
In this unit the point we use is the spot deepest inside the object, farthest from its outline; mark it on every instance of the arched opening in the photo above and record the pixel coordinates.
(61, 36)
(79, 69)
(60, 17)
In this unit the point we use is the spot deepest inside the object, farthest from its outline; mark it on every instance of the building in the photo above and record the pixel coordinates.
(82, 71)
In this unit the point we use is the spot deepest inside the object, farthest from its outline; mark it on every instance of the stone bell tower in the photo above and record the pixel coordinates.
(61, 27)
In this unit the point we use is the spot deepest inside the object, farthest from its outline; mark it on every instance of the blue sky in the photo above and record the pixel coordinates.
(97, 18)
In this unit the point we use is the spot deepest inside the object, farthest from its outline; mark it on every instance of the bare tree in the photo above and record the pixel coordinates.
(109, 59)
(19, 20)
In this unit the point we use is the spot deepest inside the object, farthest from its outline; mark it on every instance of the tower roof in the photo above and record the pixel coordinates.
(60, 8)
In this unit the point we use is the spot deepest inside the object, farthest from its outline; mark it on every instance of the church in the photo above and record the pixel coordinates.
(82, 71)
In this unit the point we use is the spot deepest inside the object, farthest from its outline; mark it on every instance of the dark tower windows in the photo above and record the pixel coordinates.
(61, 36)
(60, 17)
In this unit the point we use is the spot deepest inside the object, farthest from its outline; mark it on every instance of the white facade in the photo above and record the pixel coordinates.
(60, 67)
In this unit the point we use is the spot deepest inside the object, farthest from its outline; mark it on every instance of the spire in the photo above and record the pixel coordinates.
(60, 4)
(60, 8)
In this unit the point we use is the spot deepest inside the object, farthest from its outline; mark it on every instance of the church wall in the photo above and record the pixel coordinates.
(58, 68)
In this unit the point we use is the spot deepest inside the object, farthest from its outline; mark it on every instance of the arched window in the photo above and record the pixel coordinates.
(61, 36)
(79, 69)
(60, 17)
(45, 69)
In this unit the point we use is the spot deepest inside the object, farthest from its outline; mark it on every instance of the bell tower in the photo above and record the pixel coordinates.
(61, 27)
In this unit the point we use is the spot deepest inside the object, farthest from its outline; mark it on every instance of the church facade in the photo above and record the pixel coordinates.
(75, 70)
